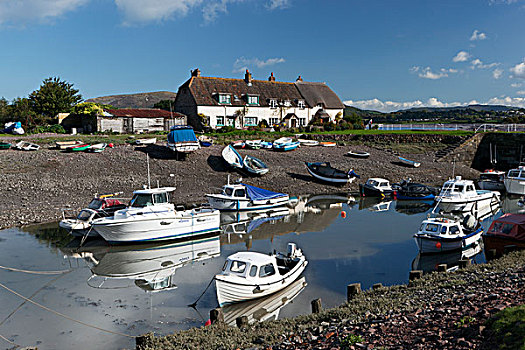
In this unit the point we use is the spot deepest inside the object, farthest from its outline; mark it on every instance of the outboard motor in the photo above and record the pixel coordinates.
(292, 250)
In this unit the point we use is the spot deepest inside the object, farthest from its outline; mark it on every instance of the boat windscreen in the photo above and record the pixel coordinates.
(141, 200)
(96, 204)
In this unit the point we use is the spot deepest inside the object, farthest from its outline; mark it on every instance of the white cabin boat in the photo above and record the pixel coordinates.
(151, 217)
(376, 187)
(491, 180)
(236, 197)
(461, 195)
(515, 181)
(182, 139)
(251, 275)
(442, 234)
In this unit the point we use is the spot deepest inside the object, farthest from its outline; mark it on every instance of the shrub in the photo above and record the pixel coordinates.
(55, 128)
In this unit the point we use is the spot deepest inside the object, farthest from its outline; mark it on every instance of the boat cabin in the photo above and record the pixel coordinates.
(253, 266)
(149, 197)
(234, 191)
(440, 226)
(518, 173)
(378, 183)
(511, 226)
(492, 175)
(458, 188)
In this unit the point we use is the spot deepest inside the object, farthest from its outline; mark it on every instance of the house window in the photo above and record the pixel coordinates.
(273, 103)
(250, 121)
(274, 121)
(230, 121)
(253, 100)
(302, 121)
(287, 103)
(220, 121)
(224, 98)
(300, 104)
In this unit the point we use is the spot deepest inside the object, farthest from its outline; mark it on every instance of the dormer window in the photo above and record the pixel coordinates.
(253, 100)
(300, 104)
(287, 103)
(224, 98)
(273, 103)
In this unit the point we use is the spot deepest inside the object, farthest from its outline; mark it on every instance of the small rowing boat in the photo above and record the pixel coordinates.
(305, 142)
(358, 154)
(327, 144)
(254, 166)
(232, 157)
(409, 162)
(325, 172)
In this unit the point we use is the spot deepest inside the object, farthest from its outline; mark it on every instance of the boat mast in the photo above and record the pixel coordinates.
(149, 178)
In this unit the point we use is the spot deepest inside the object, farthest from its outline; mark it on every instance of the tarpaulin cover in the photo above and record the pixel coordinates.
(182, 134)
(256, 193)
(509, 225)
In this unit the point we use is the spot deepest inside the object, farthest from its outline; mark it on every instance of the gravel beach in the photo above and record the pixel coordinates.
(37, 186)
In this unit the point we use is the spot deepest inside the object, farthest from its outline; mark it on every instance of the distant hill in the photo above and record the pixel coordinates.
(140, 100)
(477, 108)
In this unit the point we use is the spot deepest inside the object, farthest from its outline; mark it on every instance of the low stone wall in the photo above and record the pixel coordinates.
(390, 138)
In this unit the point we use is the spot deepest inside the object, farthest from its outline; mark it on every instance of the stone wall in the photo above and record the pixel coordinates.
(391, 138)
(501, 151)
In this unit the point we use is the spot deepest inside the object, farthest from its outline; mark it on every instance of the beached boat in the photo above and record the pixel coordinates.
(78, 148)
(461, 195)
(235, 197)
(253, 144)
(26, 146)
(491, 180)
(100, 206)
(407, 190)
(327, 144)
(254, 166)
(358, 154)
(305, 142)
(238, 144)
(409, 162)
(5, 145)
(376, 187)
(232, 157)
(285, 144)
(148, 141)
(205, 141)
(515, 181)
(506, 233)
(326, 172)
(151, 217)
(443, 234)
(65, 144)
(182, 139)
(96, 148)
(267, 145)
(252, 275)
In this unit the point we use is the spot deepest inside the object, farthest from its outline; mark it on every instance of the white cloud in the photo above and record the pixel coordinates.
(392, 106)
(515, 85)
(278, 4)
(477, 63)
(427, 73)
(477, 35)
(497, 73)
(521, 92)
(24, 11)
(139, 11)
(461, 56)
(518, 71)
(242, 63)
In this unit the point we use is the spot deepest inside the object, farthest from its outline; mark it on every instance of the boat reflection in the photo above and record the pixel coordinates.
(264, 309)
(151, 267)
(412, 207)
(375, 204)
(429, 262)
(511, 205)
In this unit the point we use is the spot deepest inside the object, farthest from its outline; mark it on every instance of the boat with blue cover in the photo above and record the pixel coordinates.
(182, 139)
(235, 197)
(407, 190)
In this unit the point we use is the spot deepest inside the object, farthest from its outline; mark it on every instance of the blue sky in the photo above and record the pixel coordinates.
(383, 55)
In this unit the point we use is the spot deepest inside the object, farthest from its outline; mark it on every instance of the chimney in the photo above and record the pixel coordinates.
(196, 72)
(299, 78)
(271, 78)
(248, 78)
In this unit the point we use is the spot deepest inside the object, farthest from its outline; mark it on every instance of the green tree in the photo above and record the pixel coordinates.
(166, 105)
(4, 112)
(88, 108)
(20, 110)
(54, 96)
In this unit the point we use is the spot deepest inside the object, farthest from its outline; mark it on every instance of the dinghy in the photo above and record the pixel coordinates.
(235, 197)
(254, 166)
(97, 148)
(267, 145)
(238, 144)
(325, 172)
(285, 144)
(305, 142)
(327, 144)
(409, 162)
(232, 157)
(78, 148)
(358, 154)
(26, 146)
(253, 144)
(150, 141)
(251, 275)
(65, 144)
(5, 145)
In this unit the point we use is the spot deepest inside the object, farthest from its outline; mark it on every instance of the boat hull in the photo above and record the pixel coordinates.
(515, 186)
(330, 179)
(428, 244)
(465, 205)
(231, 292)
(358, 154)
(367, 191)
(491, 185)
(225, 204)
(157, 226)
(78, 228)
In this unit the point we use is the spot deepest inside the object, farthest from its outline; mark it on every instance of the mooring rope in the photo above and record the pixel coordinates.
(199, 298)
(35, 272)
(63, 315)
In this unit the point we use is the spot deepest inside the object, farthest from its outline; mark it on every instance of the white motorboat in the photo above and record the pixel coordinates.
(150, 141)
(100, 206)
(442, 234)
(376, 187)
(182, 139)
(491, 180)
(250, 275)
(235, 197)
(151, 217)
(515, 181)
(232, 157)
(461, 195)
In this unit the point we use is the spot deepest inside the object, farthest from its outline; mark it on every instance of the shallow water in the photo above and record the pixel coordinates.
(137, 289)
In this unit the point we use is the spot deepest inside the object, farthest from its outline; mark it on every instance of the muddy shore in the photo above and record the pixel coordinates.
(38, 186)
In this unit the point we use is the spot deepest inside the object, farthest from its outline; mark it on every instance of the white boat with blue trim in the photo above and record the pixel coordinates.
(461, 195)
(236, 197)
(151, 217)
(251, 275)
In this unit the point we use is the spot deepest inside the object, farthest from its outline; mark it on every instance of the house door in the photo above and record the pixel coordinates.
(293, 123)
(128, 125)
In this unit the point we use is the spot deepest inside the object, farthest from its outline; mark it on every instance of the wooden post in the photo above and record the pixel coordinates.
(415, 274)
(216, 315)
(317, 307)
(352, 290)
(464, 263)
(442, 268)
(377, 286)
(242, 322)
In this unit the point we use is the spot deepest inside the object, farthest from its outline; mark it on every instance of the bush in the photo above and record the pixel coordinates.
(55, 128)
(329, 127)
(263, 124)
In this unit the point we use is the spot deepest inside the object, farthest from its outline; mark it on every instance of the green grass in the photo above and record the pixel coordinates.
(508, 327)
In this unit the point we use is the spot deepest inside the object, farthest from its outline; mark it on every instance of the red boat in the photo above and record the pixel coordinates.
(506, 233)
